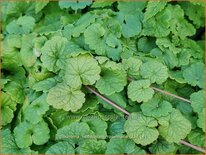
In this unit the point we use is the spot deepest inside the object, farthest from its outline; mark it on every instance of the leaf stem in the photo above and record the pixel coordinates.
(167, 93)
(127, 113)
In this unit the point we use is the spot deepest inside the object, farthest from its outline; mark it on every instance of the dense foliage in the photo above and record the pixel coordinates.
(51, 50)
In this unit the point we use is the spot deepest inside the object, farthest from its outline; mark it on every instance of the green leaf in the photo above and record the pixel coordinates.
(75, 5)
(131, 7)
(179, 26)
(9, 145)
(8, 106)
(197, 137)
(97, 125)
(123, 146)
(174, 127)
(116, 128)
(75, 133)
(40, 5)
(140, 91)
(158, 25)
(101, 4)
(141, 129)
(83, 22)
(26, 134)
(114, 47)
(93, 147)
(44, 85)
(27, 53)
(195, 13)
(153, 8)
(162, 147)
(194, 74)
(94, 37)
(154, 71)
(131, 24)
(132, 66)
(64, 97)
(118, 98)
(90, 103)
(156, 108)
(113, 79)
(54, 53)
(82, 69)
(15, 91)
(197, 100)
(23, 25)
(201, 120)
(61, 148)
(37, 108)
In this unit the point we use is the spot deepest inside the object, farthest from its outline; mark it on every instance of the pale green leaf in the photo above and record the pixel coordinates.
(123, 146)
(26, 134)
(155, 71)
(113, 79)
(64, 97)
(174, 127)
(93, 147)
(82, 69)
(140, 91)
(156, 108)
(61, 148)
(141, 129)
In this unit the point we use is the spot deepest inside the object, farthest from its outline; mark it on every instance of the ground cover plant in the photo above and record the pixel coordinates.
(108, 77)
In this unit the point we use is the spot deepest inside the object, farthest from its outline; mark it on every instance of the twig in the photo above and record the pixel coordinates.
(107, 100)
(192, 146)
(167, 93)
(127, 113)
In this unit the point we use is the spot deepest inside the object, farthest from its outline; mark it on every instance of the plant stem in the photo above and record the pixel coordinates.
(192, 146)
(167, 93)
(107, 100)
(127, 113)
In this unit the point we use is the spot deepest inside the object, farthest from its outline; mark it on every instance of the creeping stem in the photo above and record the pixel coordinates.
(127, 113)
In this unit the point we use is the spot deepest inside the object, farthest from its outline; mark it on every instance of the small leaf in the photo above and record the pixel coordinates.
(93, 147)
(132, 66)
(140, 91)
(141, 129)
(74, 133)
(97, 125)
(26, 134)
(64, 97)
(54, 53)
(156, 108)
(37, 108)
(194, 74)
(75, 5)
(82, 69)
(174, 127)
(61, 148)
(162, 147)
(123, 146)
(113, 79)
(155, 71)
(197, 100)
(9, 146)
(8, 106)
